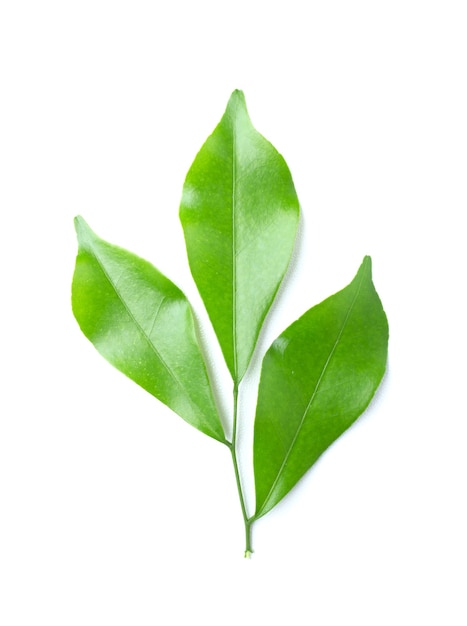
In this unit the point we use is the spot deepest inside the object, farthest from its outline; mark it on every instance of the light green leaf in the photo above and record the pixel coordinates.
(239, 212)
(318, 376)
(142, 324)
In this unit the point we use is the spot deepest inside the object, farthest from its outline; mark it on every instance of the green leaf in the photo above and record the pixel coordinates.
(240, 213)
(318, 376)
(142, 324)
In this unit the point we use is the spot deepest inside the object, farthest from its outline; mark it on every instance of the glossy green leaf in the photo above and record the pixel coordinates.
(239, 212)
(142, 324)
(317, 378)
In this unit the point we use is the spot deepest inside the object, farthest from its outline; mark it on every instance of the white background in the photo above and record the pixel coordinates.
(112, 509)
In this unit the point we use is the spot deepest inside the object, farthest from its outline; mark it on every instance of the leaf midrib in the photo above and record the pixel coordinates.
(142, 331)
(234, 248)
(313, 396)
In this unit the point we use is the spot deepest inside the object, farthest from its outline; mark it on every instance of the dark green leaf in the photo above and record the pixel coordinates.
(142, 324)
(317, 378)
(240, 213)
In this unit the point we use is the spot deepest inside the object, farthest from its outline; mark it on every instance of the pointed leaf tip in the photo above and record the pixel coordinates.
(81, 227)
(237, 93)
(367, 262)
(78, 220)
(236, 104)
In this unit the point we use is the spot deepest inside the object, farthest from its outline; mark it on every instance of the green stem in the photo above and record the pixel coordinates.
(233, 449)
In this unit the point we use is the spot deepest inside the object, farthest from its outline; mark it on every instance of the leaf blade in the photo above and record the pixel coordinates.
(340, 344)
(239, 213)
(143, 325)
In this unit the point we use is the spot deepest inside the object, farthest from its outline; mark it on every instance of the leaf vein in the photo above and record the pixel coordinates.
(142, 331)
(234, 249)
(156, 314)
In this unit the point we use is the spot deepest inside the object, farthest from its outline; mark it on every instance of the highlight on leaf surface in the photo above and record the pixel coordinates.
(317, 377)
(239, 213)
(143, 325)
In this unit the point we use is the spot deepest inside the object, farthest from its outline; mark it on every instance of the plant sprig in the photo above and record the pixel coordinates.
(239, 213)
